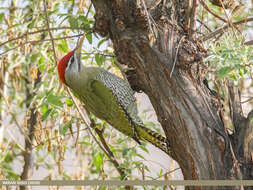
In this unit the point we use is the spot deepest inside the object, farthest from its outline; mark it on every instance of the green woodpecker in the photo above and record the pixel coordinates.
(107, 96)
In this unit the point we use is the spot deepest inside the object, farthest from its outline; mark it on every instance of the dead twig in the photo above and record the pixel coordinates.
(49, 31)
(210, 11)
(203, 24)
(223, 29)
(228, 19)
(192, 33)
(103, 141)
(88, 9)
(38, 41)
(36, 32)
(175, 60)
(148, 17)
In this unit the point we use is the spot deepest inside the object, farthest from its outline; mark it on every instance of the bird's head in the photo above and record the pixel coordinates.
(71, 61)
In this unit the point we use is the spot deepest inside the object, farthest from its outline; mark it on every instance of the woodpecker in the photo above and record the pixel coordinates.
(107, 96)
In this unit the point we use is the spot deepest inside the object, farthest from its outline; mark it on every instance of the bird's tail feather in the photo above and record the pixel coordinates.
(154, 138)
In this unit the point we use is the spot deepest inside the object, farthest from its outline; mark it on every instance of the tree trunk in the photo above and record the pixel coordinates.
(156, 41)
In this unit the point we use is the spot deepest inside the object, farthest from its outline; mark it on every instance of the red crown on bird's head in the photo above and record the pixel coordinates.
(62, 66)
(64, 61)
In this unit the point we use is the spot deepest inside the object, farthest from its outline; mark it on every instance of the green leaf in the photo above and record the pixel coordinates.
(64, 128)
(1, 17)
(125, 151)
(144, 148)
(224, 71)
(44, 108)
(98, 59)
(84, 143)
(12, 175)
(101, 42)
(63, 47)
(66, 176)
(69, 102)
(45, 115)
(123, 177)
(34, 57)
(8, 157)
(98, 161)
(42, 68)
(40, 159)
(161, 172)
(140, 156)
(73, 22)
(232, 77)
(31, 24)
(38, 147)
(89, 38)
(84, 19)
(55, 100)
(41, 64)
(102, 188)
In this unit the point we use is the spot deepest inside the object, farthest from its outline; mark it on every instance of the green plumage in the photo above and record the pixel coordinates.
(111, 98)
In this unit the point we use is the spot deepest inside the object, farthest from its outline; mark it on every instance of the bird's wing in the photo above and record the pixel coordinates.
(123, 93)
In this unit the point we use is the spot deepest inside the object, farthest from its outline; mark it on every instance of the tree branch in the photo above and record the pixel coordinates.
(192, 34)
(48, 28)
(38, 31)
(210, 11)
(31, 123)
(38, 41)
(223, 29)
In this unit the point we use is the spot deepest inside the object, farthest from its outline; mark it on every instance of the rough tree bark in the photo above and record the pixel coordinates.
(158, 43)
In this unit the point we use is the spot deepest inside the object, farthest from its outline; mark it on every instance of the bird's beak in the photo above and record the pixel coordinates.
(79, 48)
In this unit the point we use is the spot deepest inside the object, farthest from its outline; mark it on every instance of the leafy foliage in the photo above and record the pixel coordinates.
(231, 59)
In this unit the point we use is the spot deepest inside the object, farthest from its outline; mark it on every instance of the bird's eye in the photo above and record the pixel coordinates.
(72, 60)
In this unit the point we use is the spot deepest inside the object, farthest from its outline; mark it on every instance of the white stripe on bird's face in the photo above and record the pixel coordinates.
(74, 63)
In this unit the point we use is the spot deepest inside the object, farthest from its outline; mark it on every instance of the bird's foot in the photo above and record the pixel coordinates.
(123, 68)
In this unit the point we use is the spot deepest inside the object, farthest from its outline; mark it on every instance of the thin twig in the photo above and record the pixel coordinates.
(147, 15)
(210, 11)
(37, 41)
(235, 162)
(22, 130)
(38, 31)
(248, 43)
(171, 171)
(15, 140)
(192, 34)
(103, 141)
(222, 29)
(49, 31)
(245, 101)
(88, 10)
(175, 60)
(228, 18)
(203, 24)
